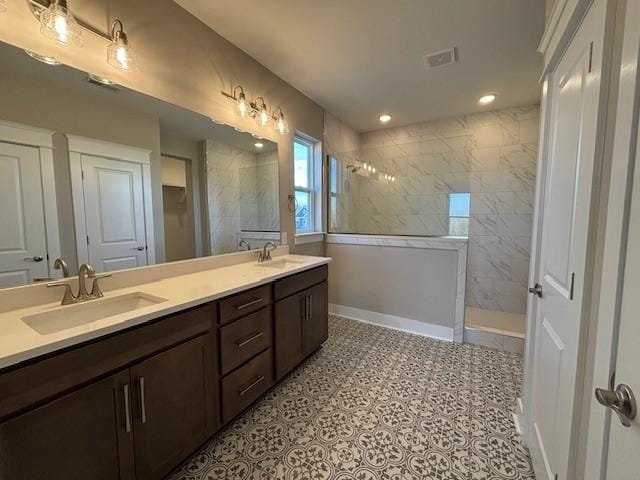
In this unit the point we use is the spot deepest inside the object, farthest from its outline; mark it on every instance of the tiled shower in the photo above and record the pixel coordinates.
(471, 176)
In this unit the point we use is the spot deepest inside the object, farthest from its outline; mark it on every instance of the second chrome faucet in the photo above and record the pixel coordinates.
(84, 272)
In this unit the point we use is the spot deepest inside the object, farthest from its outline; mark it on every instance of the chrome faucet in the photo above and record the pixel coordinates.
(265, 255)
(61, 264)
(85, 271)
(245, 243)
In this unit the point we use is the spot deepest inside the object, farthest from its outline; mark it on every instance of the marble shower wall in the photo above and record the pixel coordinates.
(492, 155)
(242, 194)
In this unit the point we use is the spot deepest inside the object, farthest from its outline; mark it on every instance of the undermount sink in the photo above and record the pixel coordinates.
(70, 316)
(281, 263)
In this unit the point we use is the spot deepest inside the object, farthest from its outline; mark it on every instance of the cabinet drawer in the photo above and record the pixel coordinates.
(242, 387)
(244, 338)
(300, 281)
(244, 303)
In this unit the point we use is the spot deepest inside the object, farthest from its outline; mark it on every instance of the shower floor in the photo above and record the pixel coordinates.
(491, 328)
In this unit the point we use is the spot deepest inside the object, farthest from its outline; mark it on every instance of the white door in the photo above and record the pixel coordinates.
(574, 92)
(114, 212)
(23, 245)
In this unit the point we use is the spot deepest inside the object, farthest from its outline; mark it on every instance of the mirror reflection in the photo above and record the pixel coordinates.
(94, 172)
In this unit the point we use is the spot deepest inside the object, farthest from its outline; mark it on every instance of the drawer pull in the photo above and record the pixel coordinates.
(250, 339)
(127, 409)
(250, 304)
(257, 381)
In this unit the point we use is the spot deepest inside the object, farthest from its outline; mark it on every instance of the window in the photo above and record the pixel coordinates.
(459, 206)
(334, 183)
(303, 185)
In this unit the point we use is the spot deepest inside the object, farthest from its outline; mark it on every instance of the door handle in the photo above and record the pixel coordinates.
(143, 406)
(35, 258)
(620, 400)
(127, 409)
(140, 249)
(536, 290)
(310, 307)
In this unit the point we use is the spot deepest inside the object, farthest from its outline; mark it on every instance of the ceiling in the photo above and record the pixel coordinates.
(359, 58)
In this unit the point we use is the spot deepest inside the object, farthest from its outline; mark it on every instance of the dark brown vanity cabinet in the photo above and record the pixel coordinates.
(301, 317)
(134, 404)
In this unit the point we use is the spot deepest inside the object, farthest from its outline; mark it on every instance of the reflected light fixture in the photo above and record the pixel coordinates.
(385, 118)
(98, 79)
(258, 144)
(119, 52)
(58, 23)
(487, 99)
(3, 6)
(43, 58)
(280, 123)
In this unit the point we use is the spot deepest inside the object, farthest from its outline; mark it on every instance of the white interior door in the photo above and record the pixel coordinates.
(114, 212)
(574, 91)
(624, 441)
(23, 245)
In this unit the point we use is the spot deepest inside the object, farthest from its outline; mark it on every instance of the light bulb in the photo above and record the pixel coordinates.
(57, 23)
(262, 117)
(373, 170)
(486, 99)
(119, 52)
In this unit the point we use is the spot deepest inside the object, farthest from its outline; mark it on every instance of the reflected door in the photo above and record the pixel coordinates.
(574, 93)
(23, 248)
(114, 211)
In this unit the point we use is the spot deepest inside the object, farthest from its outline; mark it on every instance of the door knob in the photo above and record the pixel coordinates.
(140, 249)
(536, 290)
(620, 400)
(35, 258)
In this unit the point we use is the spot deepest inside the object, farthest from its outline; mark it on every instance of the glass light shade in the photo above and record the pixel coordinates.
(262, 117)
(43, 58)
(57, 23)
(122, 56)
(242, 105)
(281, 125)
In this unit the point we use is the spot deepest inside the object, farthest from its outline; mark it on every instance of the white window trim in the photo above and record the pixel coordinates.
(316, 233)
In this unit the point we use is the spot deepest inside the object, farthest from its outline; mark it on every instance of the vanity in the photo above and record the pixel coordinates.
(132, 395)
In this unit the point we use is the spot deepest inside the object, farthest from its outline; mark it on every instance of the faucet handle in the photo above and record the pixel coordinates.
(95, 289)
(68, 297)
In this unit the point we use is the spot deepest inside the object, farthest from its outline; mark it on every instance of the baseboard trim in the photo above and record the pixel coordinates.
(393, 322)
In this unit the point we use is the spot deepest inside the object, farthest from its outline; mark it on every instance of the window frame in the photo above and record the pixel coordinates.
(449, 216)
(310, 189)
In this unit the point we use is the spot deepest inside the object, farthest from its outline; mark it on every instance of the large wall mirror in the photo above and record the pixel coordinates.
(92, 172)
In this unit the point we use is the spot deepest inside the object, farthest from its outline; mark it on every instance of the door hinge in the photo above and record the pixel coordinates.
(82, 174)
(590, 57)
(573, 279)
(87, 239)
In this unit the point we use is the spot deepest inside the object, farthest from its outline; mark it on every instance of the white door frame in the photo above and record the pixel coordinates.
(79, 146)
(620, 156)
(42, 139)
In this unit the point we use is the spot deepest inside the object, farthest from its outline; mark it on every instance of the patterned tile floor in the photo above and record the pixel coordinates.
(377, 404)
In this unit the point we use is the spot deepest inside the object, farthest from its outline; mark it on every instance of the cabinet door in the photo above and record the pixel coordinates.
(288, 333)
(85, 434)
(316, 326)
(173, 406)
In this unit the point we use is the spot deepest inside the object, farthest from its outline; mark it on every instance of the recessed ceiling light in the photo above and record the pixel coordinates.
(486, 99)
(43, 58)
(258, 144)
(385, 118)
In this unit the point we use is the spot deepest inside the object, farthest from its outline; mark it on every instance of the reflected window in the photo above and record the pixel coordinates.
(334, 182)
(459, 207)
(303, 184)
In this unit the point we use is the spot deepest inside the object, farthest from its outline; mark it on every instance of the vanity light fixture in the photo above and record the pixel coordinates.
(385, 118)
(258, 110)
(58, 23)
(258, 144)
(487, 99)
(119, 52)
(43, 58)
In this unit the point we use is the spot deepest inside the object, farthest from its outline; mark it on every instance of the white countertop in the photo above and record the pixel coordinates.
(20, 342)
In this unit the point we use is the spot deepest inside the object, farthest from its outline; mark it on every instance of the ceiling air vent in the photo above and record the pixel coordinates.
(441, 58)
